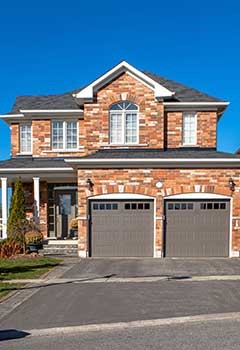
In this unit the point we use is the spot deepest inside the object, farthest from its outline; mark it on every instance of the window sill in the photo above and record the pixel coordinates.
(24, 154)
(64, 151)
(125, 145)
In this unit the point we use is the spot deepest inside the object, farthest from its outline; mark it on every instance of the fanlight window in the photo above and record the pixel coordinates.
(124, 123)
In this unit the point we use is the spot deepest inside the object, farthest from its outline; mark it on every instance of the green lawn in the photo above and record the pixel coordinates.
(6, 288)
(26, 267)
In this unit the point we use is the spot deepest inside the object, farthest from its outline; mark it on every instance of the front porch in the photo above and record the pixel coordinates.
(51, 199)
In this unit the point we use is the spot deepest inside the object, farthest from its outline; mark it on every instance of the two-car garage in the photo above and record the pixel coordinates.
(192, 227)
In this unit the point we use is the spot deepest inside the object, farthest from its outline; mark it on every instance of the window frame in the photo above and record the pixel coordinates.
(65, 149)
(123, 113)
(194, 114)
(20, 140)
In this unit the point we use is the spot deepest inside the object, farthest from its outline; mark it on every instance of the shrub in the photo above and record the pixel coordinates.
(17, 216)
(33, 236)
(10, 248)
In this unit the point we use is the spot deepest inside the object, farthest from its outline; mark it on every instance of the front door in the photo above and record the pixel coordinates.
(65, 212)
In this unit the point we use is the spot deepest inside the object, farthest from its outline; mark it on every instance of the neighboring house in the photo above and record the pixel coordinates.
(133, 156)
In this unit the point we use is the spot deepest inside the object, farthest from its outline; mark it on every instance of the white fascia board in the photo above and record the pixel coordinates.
(196, 103)
(26, 170)
(156, 163)
(10, 118)
(87, 92)
(51, 111)
(153, 160)
(175, 106)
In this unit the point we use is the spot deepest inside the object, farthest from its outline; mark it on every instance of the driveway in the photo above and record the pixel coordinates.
(69, 302)
(148, 267)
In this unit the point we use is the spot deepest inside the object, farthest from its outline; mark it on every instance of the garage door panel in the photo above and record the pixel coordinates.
(201, 231)
(125, 231)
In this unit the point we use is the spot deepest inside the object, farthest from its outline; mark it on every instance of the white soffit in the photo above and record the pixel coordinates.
(88, 91)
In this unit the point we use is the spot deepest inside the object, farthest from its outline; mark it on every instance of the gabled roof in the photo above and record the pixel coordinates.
(174, 91)
(159, 90)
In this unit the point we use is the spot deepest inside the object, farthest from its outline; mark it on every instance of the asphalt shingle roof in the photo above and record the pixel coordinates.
(160, 153)
(183, 93)
(31, 162)
(59, 162)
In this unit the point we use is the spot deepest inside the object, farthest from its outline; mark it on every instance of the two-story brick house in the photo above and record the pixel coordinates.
(132, 156)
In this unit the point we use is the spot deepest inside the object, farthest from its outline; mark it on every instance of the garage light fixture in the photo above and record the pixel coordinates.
(89, 185)
(231, 184)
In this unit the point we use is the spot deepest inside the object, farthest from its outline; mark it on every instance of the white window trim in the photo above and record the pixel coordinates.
(19, 139)
(195, 125)
(123, 113)
(64, 149)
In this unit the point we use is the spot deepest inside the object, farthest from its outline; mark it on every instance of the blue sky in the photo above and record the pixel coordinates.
(52, 47)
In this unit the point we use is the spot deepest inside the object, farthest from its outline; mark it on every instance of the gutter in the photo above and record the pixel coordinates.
(155, 163)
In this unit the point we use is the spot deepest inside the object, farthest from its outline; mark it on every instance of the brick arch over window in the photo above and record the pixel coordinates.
(126, 97)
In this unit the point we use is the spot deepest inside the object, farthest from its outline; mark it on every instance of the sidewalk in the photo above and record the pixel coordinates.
(109, 279)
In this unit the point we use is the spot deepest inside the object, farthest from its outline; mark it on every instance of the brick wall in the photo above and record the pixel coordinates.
(155, 129)
(96, 115)
(143, 181)
(206, 129)
(14, 139)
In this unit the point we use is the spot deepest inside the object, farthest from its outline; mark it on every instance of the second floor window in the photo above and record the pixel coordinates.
(64, 135)
(189, 128)
(25, 138)
(124, 123)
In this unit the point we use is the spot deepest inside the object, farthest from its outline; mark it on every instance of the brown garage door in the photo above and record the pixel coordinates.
(198, 228)
(121, 228)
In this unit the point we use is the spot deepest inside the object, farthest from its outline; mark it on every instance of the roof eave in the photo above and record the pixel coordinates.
(155, 163)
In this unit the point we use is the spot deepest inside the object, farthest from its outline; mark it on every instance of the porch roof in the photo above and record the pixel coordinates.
(181, 152)
(28, 162)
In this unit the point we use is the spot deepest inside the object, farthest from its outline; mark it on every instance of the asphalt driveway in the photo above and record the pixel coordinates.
(148, 267)
(71, 302)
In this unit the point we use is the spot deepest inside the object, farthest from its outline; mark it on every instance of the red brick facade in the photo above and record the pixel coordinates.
(206, 129)
(157, 129)
(143, 181)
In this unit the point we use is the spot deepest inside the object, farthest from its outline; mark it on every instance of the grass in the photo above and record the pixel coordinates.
(6, 288)
(26, 267)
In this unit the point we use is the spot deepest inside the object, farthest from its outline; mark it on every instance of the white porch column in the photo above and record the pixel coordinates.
(36, 190)
(4, 206)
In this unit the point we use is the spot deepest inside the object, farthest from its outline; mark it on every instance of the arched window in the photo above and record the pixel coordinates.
(124, 123)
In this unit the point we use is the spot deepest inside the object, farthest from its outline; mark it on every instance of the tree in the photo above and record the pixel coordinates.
(17, 215)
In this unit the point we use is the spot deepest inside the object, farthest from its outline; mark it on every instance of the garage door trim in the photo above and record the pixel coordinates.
(120, 197)
(199, 196)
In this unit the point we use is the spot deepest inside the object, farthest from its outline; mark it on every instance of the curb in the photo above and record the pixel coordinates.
(134, 324)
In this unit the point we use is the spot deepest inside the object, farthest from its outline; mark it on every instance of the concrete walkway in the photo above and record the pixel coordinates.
(110, 279)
